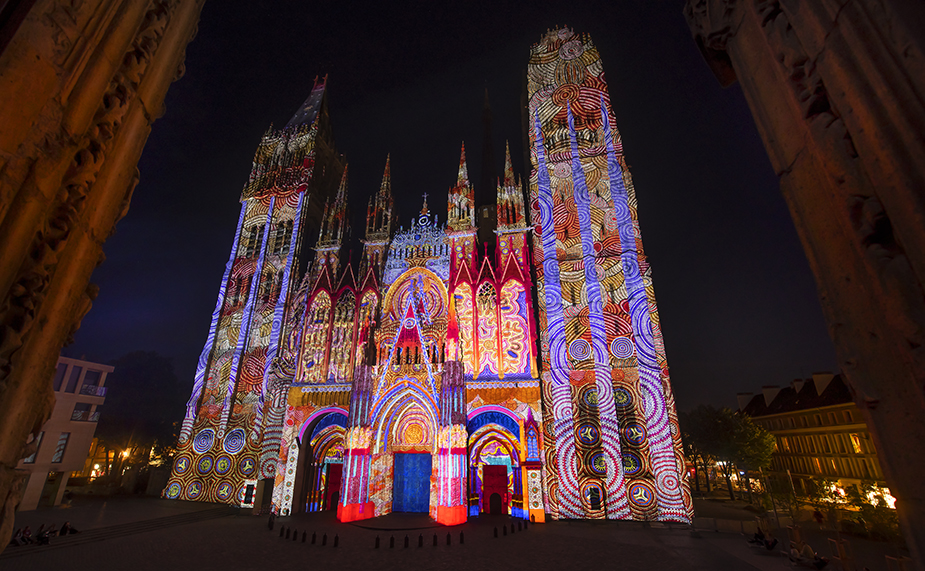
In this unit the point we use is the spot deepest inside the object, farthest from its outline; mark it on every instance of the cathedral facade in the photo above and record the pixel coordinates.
(435, 376)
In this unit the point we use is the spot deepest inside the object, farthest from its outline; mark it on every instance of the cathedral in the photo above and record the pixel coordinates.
(438, 375)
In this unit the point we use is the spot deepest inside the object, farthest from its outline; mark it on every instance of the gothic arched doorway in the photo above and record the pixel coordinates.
(321, 463)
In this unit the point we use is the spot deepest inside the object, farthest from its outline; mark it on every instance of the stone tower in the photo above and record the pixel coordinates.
(229, 439)
(611, 432)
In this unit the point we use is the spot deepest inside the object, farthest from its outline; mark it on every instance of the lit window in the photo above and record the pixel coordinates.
(58, 456)
(856, 443)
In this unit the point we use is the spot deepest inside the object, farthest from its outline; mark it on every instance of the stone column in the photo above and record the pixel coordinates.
(837, 89)
(80, 84)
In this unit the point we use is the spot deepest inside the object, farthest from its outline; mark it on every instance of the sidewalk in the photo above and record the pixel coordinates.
(244, 542)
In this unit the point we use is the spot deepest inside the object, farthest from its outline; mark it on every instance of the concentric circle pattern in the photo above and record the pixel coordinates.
(203, 441)
(622, 348)
(579, 349)
(234, 441)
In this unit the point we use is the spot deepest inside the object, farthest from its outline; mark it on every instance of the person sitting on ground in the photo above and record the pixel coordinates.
(812, 558)
(45, 537)
(66, 529)
(807, 557)
(17, 538)
(26, 535)
(758, 537)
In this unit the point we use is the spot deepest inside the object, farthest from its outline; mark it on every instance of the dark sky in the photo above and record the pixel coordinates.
(737, 301)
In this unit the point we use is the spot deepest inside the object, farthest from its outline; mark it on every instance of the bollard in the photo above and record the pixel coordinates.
(295, 534)
(303, 536)
(313, 538)
(496, 532)
(270, 522)
(377, 542)
(406, 542)
(391, 542)
(525, 525)
(504, 530)
(421, 540)
(532, 518)
(462, 538)
(282, 529)
(336, 540)
(324, 540)
(287, 532)
(512, 528)
(519, 526)
(435, 540)
(447, 538)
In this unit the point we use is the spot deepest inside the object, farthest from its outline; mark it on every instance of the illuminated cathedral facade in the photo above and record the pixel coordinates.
(434, 376)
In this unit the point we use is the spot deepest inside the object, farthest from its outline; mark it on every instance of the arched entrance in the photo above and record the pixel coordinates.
(321, 463)
(495, 504)
(403, 466)
(495, 482)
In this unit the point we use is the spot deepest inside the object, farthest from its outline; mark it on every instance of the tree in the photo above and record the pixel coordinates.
(144, 403)
(730, 439)
(695, 440)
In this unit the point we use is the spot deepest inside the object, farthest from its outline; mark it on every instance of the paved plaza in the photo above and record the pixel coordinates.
(143, 533)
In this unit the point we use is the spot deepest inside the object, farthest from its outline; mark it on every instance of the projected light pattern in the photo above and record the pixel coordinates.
(598, 311)
(423, 379)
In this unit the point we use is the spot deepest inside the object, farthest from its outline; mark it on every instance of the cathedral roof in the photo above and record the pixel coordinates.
(309, 110)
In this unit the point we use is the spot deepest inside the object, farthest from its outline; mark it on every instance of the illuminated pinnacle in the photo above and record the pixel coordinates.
(462, 179)
(508, 169)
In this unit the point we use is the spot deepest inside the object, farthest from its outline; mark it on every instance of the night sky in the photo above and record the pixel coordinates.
(736, 298)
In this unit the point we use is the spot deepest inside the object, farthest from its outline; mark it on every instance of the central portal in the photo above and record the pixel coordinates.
(411, 488)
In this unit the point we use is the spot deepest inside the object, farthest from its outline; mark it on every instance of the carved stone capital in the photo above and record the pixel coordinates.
(713, 22)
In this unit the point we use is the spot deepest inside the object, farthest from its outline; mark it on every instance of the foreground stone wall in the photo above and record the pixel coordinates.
(837, 89)
(81, 81)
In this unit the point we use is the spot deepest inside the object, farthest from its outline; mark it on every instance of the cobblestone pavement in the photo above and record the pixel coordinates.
(244, 542)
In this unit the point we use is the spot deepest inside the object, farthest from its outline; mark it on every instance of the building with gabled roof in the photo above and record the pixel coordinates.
(819, 432)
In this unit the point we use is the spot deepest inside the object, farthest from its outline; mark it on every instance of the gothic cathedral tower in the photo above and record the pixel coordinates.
(611, 433)
(229, 440)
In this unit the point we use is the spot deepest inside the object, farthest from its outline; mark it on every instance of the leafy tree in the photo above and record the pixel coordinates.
(877, 517)
(144, 402)
(694, 439)
(730, 439)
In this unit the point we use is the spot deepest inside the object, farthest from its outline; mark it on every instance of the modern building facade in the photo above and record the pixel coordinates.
(819, 432)
(64, 442)
(435, 376)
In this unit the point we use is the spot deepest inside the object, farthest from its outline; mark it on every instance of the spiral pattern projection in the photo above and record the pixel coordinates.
(563, 419)
(661, 445)
(234, 389)
(278, 314)
(199, 380)
(617, 507)
(245, 322)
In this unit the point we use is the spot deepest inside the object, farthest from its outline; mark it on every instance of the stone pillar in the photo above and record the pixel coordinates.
(80, 85)
(837, 89)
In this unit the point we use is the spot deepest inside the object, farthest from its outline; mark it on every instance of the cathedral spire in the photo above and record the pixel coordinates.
(309, 109)
(461, 200)
(335, 223)
(462, 179)
(508, 169)
(379, 214)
